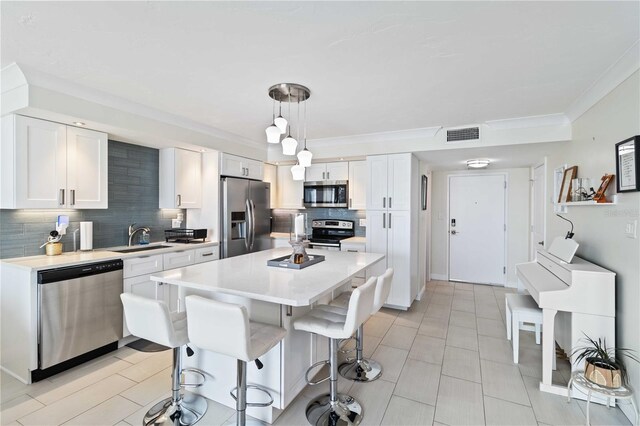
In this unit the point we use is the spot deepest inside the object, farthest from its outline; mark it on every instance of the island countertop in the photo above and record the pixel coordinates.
(249, 276)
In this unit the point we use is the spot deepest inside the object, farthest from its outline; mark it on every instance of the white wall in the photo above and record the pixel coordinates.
(424, 232)
(518, 189)
(600, 230)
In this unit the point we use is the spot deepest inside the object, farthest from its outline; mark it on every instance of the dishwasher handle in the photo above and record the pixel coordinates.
(78, 271)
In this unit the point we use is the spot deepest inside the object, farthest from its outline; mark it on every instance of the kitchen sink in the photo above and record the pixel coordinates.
(145, 248)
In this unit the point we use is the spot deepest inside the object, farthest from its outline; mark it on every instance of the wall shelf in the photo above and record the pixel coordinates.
(613, 198)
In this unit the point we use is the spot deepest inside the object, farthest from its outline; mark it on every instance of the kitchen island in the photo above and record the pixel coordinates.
(275, 296)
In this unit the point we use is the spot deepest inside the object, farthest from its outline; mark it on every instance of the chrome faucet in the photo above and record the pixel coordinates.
(133, 232)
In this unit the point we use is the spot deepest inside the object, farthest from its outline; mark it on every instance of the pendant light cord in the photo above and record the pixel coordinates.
(305, 124)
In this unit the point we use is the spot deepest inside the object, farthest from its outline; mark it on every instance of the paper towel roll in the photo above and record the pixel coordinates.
(86, 235)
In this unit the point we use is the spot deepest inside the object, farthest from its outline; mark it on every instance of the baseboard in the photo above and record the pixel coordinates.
(439, 277)
(421, 292)
(511, 285)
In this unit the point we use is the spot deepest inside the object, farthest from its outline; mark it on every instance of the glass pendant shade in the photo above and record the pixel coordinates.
(273, 134)
(304, 157)
(289, 146)
(281, 123)
(298, 172)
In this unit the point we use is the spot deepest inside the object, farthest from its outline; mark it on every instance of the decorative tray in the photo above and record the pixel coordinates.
(284, 262)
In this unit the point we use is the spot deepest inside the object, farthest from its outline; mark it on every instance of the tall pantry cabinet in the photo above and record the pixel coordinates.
(393, 195)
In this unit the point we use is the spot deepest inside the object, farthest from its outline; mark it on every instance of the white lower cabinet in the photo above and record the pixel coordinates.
(137, 274)
(361, 277)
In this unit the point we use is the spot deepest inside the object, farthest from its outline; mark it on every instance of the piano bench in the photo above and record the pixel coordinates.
(520, 308)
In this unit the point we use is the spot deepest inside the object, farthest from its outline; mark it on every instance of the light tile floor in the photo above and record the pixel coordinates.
(446, 361)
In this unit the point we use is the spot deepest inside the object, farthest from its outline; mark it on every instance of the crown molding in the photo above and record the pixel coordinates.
(15, 75)
(624, 67)
(530, 122)
(398, 135)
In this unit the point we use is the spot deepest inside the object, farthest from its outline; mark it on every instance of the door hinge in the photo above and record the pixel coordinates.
(505, 227)
(504, 269)
(505, 185)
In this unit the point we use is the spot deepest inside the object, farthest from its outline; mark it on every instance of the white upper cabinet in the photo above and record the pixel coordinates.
(377, 185)
(327, 171)
(87, 168)
(180, 179)
(232, 165)
(358, 177)
(389, 182)
(290, 192)
(50, 165)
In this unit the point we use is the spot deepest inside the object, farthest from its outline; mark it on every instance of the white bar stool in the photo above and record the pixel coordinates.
(521, 308)
(361, 369)
(225, 328)
(333, 409)
(150, 319)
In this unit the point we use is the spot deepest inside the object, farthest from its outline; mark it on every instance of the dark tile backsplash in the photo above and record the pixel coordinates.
(133, 197)
(282, 218)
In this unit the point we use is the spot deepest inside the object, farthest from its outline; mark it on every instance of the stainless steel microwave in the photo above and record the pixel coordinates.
(326, 193)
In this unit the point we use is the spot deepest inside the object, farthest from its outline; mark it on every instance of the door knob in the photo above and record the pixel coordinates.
(453, 232)
(541, 243)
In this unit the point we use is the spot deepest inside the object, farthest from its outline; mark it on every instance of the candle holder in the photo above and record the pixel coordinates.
(298, 238)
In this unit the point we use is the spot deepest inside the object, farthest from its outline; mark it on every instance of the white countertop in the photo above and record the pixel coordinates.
(97, 255)
(249, 276)
(354, 240)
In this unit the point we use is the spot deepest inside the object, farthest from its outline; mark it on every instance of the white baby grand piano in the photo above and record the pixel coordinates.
(583, 291)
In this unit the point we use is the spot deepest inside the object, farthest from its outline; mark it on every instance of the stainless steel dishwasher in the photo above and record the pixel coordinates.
(79, 314)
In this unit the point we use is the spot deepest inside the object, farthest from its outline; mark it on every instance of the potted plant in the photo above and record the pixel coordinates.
(603, 365)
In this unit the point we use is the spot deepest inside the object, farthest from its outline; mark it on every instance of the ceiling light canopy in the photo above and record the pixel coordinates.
(480, 163)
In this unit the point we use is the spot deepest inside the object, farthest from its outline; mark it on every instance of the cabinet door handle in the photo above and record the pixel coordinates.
(389, 220)
(389, 203)
(328, 174)
(179, 199)
(61, 197)
(353, 251)
(350, 202)
(384, 220)
(384, 201)
(207, 254)
(323, 173)
(73, 197)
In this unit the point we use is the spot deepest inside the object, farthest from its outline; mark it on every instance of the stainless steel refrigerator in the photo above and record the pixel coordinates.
(245, 216)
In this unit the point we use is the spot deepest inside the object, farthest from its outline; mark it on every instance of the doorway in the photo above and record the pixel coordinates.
(538, 187)
(477, 228)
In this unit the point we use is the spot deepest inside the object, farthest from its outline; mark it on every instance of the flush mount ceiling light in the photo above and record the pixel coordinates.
(78, 123)
(478, 164)
(287, 92)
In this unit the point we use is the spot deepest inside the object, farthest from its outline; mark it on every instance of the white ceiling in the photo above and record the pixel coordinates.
(372, 67)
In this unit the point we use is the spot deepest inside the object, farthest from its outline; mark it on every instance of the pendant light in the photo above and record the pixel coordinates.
(304, 156)
(297, 172)
(289, 144)
(273, 132)
(280, 121)
(288, 92)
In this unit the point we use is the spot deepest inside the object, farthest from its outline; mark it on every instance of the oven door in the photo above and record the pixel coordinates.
(325, 193)
(325, 246)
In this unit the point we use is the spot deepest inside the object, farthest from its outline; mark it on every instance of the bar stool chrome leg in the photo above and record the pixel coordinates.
(241, 399)
(334, 409)
(176, 410)
(360, 369)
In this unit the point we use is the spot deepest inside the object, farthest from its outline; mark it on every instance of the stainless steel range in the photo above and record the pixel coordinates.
(326, 234)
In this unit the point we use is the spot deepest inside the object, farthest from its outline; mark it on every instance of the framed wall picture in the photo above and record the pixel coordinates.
(600, 197)
(570, 173)
(627, 159)
(423, 191)
(558, 173)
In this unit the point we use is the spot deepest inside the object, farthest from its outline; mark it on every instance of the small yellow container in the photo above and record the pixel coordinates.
(53, 249)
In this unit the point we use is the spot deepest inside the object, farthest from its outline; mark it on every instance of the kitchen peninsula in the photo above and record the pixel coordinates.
(275, 296)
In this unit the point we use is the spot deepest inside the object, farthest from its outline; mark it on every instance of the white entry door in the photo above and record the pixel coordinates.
(537, 220)
(477, 229)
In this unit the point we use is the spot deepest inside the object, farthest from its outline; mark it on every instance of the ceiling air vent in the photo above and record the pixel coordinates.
(465, 134)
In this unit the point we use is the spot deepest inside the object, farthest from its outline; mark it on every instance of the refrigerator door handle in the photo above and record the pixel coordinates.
(253, 224)
(247, 234)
